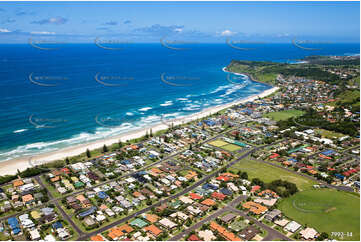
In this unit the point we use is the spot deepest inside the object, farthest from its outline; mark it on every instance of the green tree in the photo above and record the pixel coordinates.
(105, 148)
(88, 153)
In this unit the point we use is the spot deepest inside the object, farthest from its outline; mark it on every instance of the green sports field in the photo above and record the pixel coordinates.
(268, 173)
(225, 145)
(218, 143)
(231, 147)
(325, 210)
(283, 115)
(329, 134)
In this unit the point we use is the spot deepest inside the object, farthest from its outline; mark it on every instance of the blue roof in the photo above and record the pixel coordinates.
(248, 111)
(225, 191)
(339, 176)
(88, 212)
(293, 160)
(328, 152)
(208, 186)
(14, 224)
(16, 230)
(209, 122)
(57, 225)
(126, 162)
(102, 195)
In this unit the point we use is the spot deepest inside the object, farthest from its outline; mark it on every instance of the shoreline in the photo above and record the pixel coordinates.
(246, 74)
(10, 167)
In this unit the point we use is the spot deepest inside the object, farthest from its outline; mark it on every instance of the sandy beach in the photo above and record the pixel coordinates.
(11, 166)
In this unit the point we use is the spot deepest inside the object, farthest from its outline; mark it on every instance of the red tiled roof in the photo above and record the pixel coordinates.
(195, 196)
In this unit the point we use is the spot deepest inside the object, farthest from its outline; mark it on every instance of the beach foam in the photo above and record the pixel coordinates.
(144, 109)
(167, 103)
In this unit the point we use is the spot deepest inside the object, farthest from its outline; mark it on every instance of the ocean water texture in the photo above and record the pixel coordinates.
(77, 93)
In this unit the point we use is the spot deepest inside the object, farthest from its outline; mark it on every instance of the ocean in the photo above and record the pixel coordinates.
(77, 93)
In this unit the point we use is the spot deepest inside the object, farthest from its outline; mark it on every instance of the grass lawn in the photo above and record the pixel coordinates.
(268, 173)
(218, 143)
(231, 147)
(283, 115)
(329, 134)
(238, 225)
(50, 188)
(326, 210)
(266, 77)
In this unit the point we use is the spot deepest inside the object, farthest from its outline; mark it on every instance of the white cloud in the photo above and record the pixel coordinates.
(227, 33)
(42, 32)
(4, 31)
(178, 30)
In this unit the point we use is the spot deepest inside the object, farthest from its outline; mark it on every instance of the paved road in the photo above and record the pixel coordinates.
(211, 217)
(61, 210)
(53, 200)
(186, 190)
(272, 233)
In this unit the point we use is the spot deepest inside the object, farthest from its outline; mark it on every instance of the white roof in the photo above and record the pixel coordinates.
(292, 226)
(49, 237)
(185, 199)
(167, 223)
(207, 235)
(308, 233)
(34, 234)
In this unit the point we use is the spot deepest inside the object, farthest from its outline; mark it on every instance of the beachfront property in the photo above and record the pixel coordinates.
(227, 161)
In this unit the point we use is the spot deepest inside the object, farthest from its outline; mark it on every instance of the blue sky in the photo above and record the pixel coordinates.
(182, 21)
